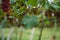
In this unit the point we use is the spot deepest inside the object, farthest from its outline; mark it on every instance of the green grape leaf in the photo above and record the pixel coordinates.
(30, 21)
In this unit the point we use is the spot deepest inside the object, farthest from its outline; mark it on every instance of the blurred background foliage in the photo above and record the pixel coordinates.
(29, 11)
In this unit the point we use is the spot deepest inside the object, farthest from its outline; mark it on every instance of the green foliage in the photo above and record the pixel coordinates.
(55, 6)
(46, 5)
(32, 2)
(3, 23)
(1, 13)
(19, 8)
(30, 21)
(47, 22)
(12, 1)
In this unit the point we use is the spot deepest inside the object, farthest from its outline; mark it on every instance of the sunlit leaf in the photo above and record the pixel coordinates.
(32, 2)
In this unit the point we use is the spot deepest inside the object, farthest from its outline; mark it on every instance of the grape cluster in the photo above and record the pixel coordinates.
(57, 14)
(48, 13)
(5, 5)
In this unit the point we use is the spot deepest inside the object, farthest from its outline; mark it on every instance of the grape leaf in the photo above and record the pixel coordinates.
(30, 21)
